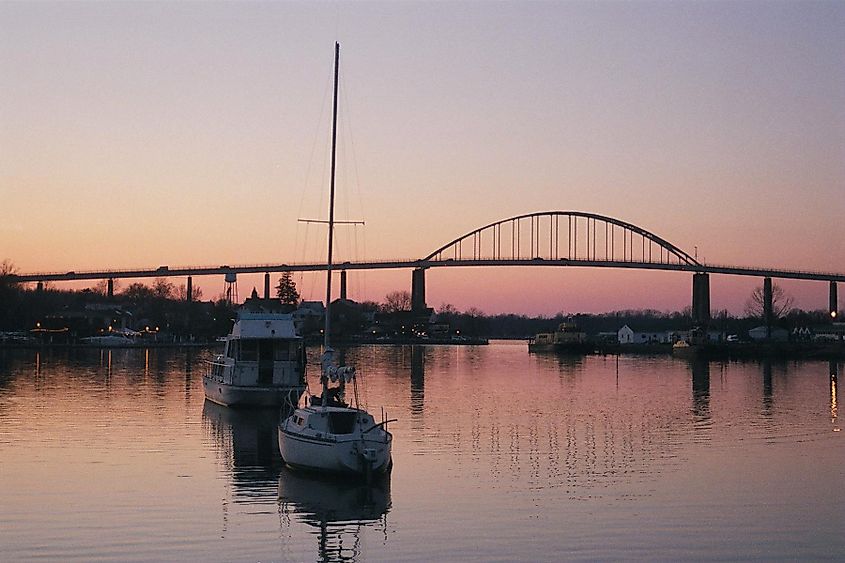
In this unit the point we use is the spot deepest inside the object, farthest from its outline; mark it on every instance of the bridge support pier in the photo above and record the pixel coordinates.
(768, 306)
(110, 288)
(418, 304)
(266, 285)
(833, 309)
(39, 286)
(189, 290)
(343, 284)
(701, 299)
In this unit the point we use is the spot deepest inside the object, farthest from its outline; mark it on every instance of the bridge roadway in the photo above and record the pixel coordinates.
(546, 238)
(181, 271)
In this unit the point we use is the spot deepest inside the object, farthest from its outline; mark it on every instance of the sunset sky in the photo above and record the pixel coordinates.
(196, 133)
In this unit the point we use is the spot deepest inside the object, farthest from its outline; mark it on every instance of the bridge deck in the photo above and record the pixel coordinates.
(183, 271)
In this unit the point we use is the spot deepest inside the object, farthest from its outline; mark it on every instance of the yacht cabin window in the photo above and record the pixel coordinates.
(282, 352)
(249, 350)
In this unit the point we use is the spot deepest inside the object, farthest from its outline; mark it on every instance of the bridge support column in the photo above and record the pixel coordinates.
(701, 299)
(833, 309)
(266, 285)
(110, 288)
(343, 284)
(39, 286)
(189, 290)
(418, 291)
(768, 307)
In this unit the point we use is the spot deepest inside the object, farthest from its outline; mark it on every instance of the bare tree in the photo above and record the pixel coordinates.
(781, 302)
(102, 287)
(397, 301)
(475, 312)
(163, 289)
(7, 268)
(182, 293)
(9, 295)
(137, 292)
(447, 309)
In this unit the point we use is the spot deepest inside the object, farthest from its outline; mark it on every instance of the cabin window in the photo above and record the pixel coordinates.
(342, 422)
(282, 352)
(249, 350)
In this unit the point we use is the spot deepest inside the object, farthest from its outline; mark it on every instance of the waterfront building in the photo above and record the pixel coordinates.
(627, 335)
(762, 333)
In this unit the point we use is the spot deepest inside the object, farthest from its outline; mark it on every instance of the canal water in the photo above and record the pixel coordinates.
(500, 455)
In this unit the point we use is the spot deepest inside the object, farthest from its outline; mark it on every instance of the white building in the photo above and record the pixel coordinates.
(627, 335)
(831, 333)
(761, 333)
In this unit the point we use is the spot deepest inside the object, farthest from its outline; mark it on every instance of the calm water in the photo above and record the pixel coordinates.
(499, 455)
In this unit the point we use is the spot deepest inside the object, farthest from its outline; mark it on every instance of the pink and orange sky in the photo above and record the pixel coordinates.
(144, 134)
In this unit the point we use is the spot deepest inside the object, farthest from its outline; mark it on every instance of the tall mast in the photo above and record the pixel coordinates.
(331, 201)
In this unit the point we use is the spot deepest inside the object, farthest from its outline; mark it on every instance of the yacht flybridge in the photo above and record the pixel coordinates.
(327, 434)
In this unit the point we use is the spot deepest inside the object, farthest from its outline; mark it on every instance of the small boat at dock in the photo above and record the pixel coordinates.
(567, 339)
(111, 339)
(683, 349)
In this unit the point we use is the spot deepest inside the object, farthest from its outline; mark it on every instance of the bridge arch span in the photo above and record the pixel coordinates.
(575, 236)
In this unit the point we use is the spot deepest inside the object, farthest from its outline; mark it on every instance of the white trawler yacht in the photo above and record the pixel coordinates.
(263, 361)
(327, 434)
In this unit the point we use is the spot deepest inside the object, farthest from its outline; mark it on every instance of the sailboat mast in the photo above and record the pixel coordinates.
(331, 200)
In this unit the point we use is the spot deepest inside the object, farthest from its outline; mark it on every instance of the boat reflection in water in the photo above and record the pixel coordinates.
(246, 446)
(338, 509)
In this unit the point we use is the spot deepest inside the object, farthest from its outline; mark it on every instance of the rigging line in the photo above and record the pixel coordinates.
(310, 164)
(347, 117)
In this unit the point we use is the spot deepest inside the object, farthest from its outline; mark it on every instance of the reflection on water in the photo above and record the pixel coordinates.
(834, 395)
(247, 447)
(499, 454)
(700, 369)
(417, 380)
(767, 388)
(338, 510)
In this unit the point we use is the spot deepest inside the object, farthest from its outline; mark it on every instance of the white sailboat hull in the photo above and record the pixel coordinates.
(356, 453)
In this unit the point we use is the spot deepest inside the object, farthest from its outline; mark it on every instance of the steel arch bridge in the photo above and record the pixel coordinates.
(549, 238)
(561, 237)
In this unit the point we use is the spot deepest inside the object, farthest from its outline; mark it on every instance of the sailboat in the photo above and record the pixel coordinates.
(327, 434)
